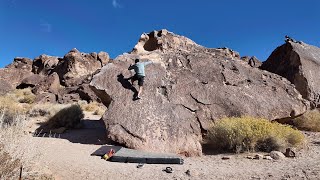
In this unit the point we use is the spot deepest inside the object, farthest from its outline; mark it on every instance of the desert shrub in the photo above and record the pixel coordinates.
(68, 117)
(94, 107)
(10, 109)
(310, 121)
(23, 95)
(252, 134)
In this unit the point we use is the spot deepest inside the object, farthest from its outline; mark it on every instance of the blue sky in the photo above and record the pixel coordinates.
(29, 28)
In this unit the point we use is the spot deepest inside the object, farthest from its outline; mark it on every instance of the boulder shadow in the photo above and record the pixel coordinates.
(127, 84)
(208, 149)
(90, 131)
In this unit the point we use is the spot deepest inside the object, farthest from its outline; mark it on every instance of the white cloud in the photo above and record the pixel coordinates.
(116, 4)
(13, 3)
(46, 27)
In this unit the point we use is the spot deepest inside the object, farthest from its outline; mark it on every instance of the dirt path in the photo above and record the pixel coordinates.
(68, 157)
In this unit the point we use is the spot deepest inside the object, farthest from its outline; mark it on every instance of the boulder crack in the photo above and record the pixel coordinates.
(199, 101)
(130, 133)
(192, 110)
(203, 131)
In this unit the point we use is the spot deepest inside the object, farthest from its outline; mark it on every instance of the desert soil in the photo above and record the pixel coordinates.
(68, 157)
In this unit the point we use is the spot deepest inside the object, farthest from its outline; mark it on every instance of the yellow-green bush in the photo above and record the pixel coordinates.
(252, 134)
(310, 121)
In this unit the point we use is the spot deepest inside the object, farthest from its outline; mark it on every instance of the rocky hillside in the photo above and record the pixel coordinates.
(54, 79)
(187, 88)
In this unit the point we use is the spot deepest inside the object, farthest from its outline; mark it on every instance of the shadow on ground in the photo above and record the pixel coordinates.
(316, 143)
(209, 150)
(91, 131)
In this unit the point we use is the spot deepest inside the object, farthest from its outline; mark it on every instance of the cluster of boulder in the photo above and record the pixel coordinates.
(187, 88)
(54, 79)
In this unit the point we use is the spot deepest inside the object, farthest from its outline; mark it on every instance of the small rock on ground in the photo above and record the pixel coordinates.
(277, 155)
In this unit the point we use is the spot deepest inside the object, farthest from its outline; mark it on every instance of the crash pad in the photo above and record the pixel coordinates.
(127, 155)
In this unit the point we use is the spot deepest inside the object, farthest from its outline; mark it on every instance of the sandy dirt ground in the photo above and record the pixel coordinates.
(68, 157)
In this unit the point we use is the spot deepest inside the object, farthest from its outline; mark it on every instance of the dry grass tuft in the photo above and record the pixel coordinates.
(99, 111)
(46, 110)
(15, 150)
(310, 121)
(9, 167)
(15, 144)
(94, 107)
(10, 109)
(11, 131)
(22, 96)
(252, 134)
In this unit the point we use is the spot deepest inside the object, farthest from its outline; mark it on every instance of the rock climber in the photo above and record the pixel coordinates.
(138, 68)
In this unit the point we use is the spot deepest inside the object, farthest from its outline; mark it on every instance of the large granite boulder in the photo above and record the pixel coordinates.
(300, 64)
(186, 88)
(75, 66)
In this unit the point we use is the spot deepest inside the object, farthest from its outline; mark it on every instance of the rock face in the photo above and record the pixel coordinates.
(252, 61)
(49, 84)
(21, 63)
(31, 81)
(14, 76)
(75, 66)
(55, 79)
(44, 64)
(300, 64)
(186, 88)
(5, 87)
(104, 58)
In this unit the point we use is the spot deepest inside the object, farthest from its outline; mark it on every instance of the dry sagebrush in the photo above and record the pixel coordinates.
(252, 134)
